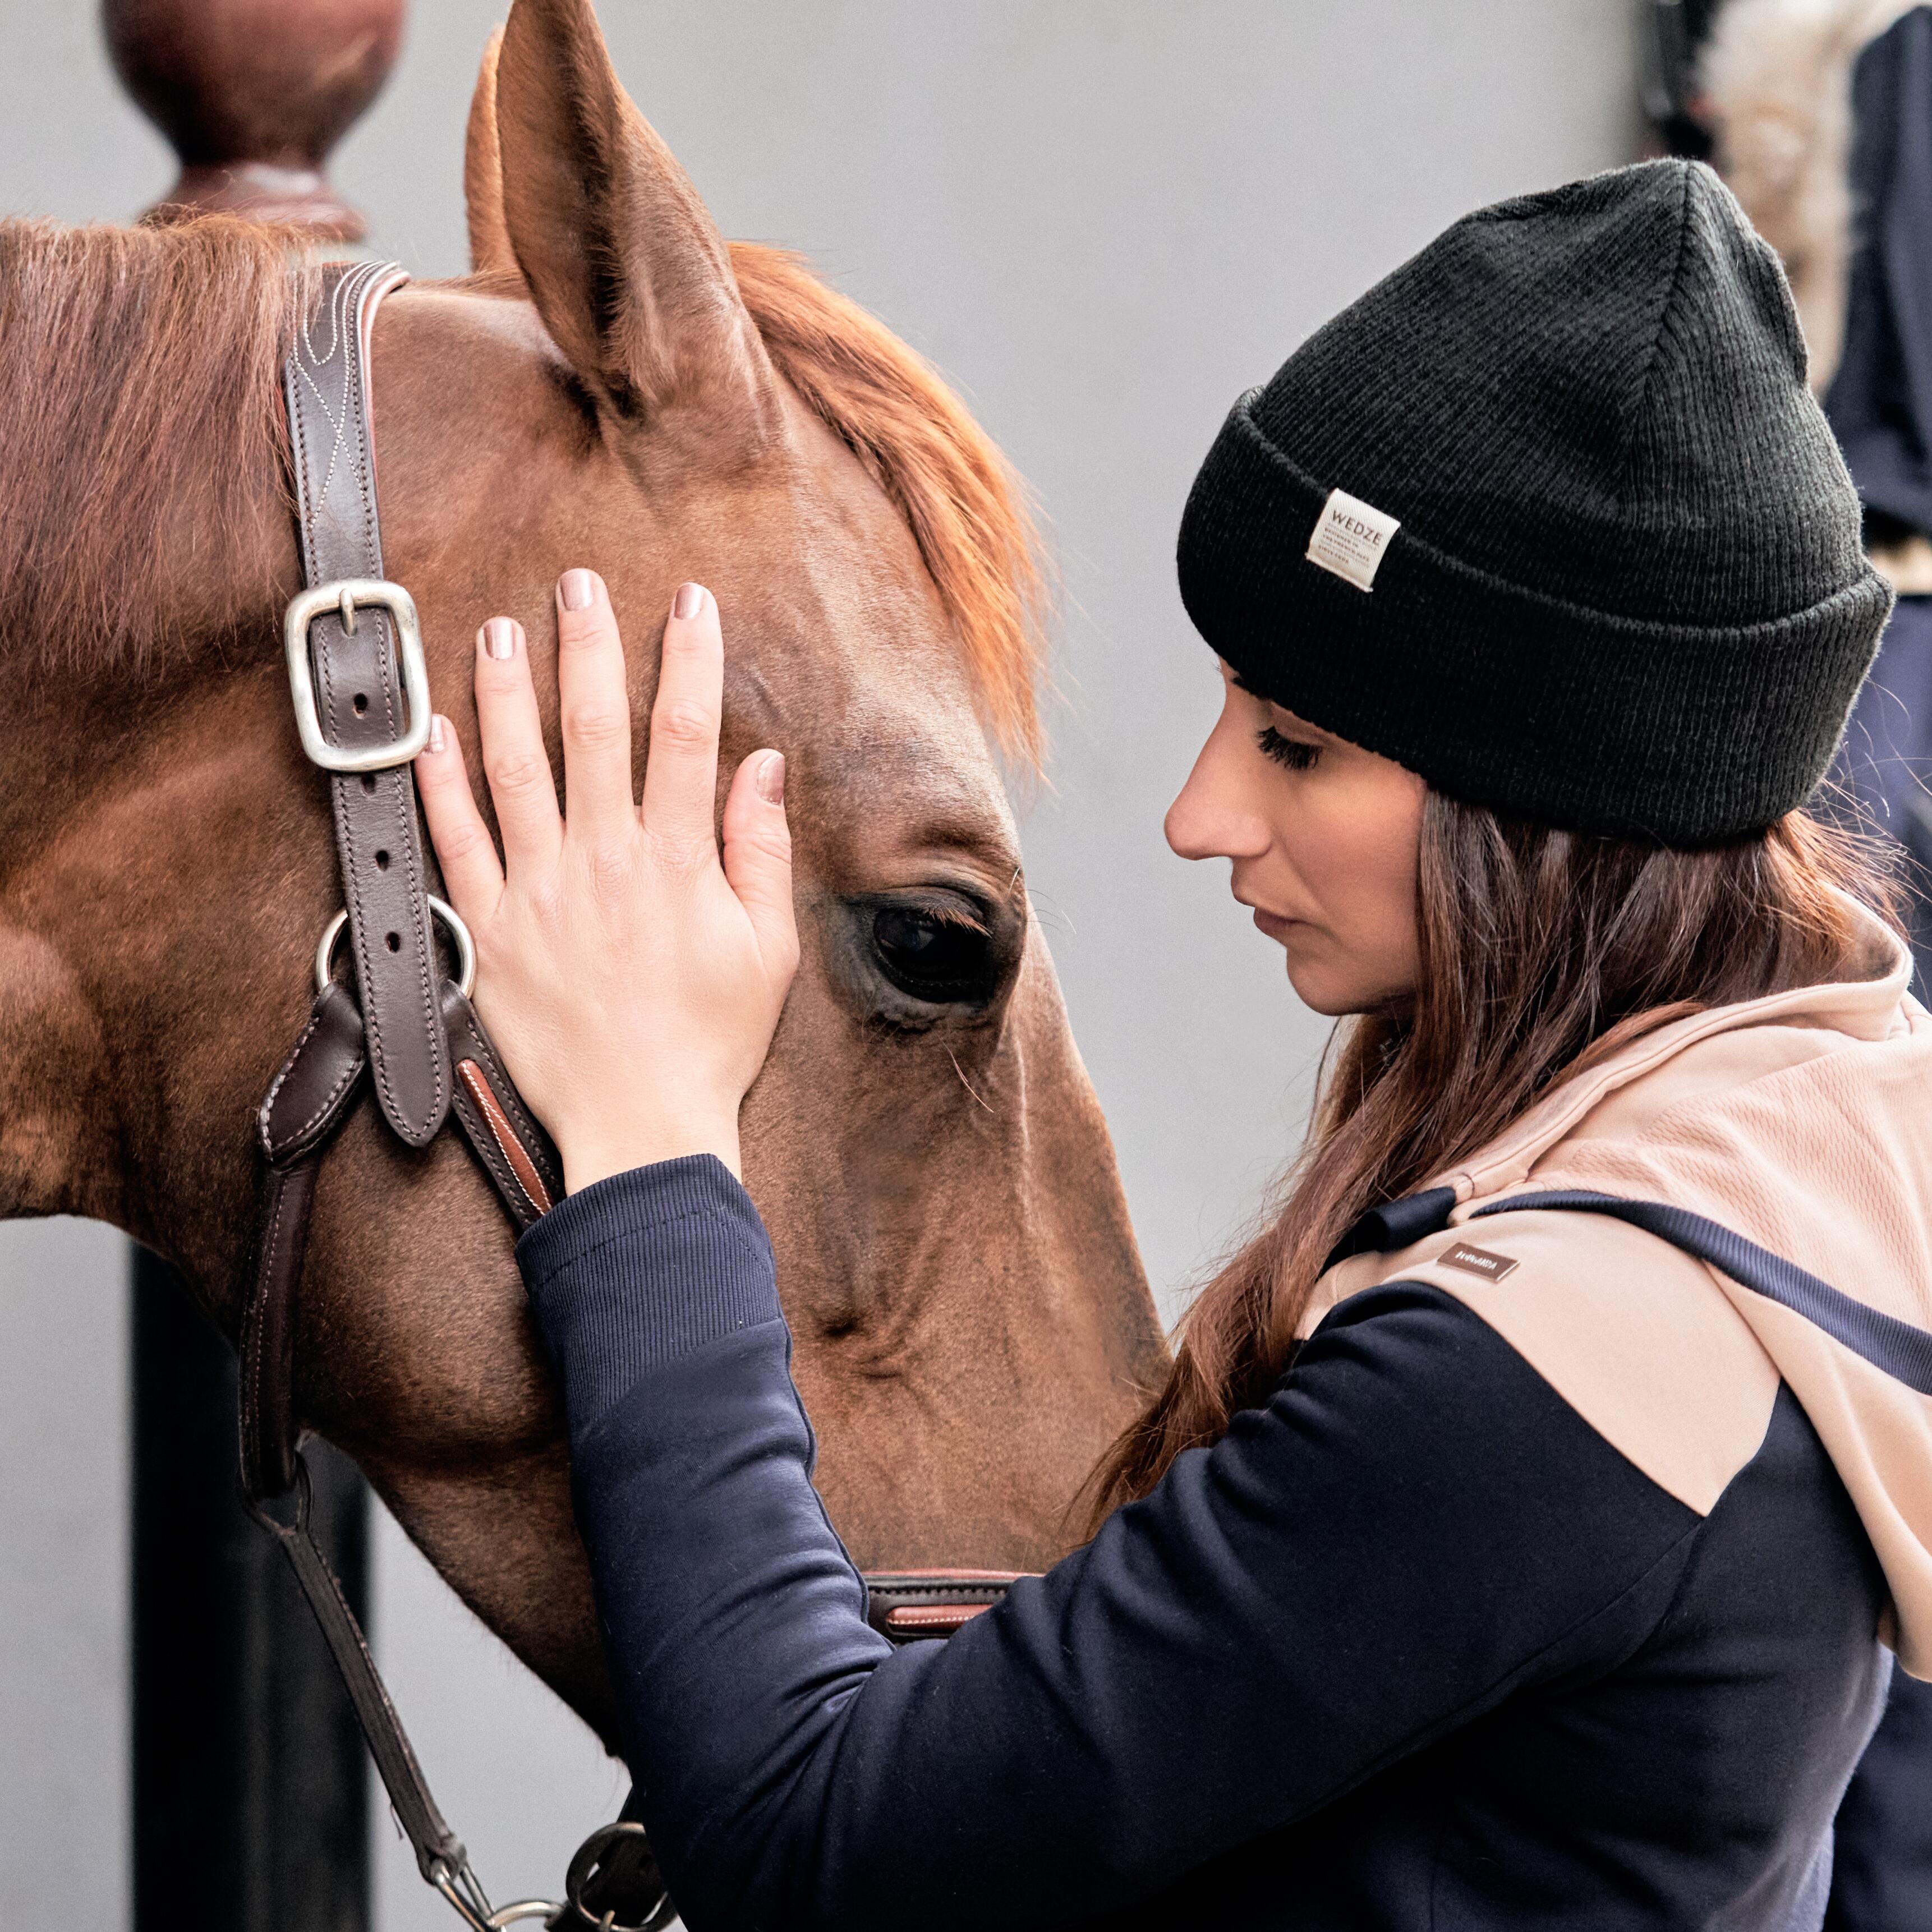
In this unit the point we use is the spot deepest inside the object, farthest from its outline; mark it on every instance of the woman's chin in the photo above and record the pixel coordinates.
(1336, 995)
(1317, 990)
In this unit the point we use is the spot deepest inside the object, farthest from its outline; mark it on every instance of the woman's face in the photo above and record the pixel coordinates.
(1324, 837)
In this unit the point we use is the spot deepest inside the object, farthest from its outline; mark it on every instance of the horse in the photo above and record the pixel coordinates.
(612, 386)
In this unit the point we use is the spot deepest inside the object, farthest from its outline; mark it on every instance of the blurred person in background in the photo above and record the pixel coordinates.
(1823, 114)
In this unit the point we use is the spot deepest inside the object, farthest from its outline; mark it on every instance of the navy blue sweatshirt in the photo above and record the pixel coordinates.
(1412, 1647)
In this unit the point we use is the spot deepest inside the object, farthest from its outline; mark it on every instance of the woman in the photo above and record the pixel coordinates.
(1469, 1571)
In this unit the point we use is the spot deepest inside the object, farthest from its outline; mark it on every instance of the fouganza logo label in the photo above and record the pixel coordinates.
(1350, 539)
(1477, 1261)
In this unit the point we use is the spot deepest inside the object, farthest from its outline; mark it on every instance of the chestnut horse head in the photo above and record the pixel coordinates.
(615, 388)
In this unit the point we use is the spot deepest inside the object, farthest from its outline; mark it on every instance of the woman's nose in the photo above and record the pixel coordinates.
(1211, 818)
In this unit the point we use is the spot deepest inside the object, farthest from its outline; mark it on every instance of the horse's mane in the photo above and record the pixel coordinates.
(140, 432)
(139, 374)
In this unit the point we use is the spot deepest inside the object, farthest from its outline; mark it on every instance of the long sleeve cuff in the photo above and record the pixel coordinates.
(641, 1269)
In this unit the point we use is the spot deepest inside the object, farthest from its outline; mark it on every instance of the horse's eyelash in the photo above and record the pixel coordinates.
(1292, 752)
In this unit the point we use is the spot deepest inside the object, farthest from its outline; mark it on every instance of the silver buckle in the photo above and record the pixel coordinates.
(347, 595)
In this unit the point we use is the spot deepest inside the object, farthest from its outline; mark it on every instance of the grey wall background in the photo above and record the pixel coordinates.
(1104, 218)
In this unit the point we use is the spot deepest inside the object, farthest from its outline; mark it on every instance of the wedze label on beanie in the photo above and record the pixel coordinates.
(1351, 538)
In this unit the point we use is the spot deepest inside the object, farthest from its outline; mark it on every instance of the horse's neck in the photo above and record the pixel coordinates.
(129, 821)
(150, 547)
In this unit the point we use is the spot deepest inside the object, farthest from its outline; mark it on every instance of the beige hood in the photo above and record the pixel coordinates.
(1803, 1123)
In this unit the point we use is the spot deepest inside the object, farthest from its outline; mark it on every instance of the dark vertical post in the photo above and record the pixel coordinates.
(250, 1782)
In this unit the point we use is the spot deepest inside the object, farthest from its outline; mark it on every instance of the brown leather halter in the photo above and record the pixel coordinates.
(360, 687)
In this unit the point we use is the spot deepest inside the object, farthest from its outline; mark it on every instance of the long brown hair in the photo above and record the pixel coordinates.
(1541, 951)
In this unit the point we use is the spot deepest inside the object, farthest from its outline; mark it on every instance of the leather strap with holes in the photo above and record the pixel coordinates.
(413, 1035)
(359, 704)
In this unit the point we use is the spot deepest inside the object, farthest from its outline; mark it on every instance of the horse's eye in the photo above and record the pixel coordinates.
(934, 958)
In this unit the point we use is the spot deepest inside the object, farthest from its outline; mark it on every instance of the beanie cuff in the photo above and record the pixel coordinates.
(1505, 697)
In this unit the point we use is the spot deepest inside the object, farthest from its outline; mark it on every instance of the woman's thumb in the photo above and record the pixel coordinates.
(757, 855)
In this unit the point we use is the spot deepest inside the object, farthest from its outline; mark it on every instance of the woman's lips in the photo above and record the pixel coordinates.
(1274, 924)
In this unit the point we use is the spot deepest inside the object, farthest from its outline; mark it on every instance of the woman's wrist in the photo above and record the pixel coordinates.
(596, 1155)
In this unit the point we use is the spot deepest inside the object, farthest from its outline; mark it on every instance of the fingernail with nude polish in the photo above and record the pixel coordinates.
(578, 589)
(771, 778)
(688, 601)
(436, 738)
(498, 638)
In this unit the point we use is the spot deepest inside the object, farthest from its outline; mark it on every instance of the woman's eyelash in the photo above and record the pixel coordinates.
(1292, 752)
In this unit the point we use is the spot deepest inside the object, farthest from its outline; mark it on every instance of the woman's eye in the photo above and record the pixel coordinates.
(1292, 752)
(932, 956)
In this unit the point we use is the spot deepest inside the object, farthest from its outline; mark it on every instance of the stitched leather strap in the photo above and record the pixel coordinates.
(410, 1032)
(359, 703)
(314, 1094)
(308, 1100)
(907, 1605)
(316, 1090)
(423, 1824)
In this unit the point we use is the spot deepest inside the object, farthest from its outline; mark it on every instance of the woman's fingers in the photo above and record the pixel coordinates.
(514, 761)
(758, 858)
(463, 842)
(681, 774)
(595, 709)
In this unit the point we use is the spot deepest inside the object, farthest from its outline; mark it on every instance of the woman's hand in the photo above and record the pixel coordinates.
(631, 982)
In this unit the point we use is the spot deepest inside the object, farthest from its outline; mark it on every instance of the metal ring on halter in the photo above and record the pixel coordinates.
(462, 1891)
(304, 1495)
(628, 1833)
(524, 1908)
(452, 923)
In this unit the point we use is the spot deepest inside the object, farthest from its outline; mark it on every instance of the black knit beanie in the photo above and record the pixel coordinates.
(1549, 518)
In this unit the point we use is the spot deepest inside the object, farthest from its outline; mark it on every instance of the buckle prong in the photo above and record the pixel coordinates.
(343, 598)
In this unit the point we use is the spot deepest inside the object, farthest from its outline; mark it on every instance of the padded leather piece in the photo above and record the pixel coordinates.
(313, 1094)
(267, 1331)
(515, 1152)
(385, 875)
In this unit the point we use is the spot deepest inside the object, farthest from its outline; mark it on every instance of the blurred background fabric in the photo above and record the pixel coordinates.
(1104, 219)
(1820, 113)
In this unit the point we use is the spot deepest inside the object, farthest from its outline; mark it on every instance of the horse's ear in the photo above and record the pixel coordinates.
(489, 249)
(630, 276)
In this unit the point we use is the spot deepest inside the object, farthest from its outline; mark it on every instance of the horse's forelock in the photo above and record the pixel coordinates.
(966, 508)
